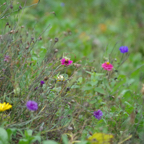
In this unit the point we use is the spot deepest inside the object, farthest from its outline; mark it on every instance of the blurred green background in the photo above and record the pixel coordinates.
(90, 32)
(88, 29)
(92, 28)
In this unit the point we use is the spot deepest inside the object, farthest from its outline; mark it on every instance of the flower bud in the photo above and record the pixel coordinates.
(11, 32)
(40, 38)
(20, 7)
(45, 78)
(27, 47)
(11, 6)
(56, 40)
(56, 50)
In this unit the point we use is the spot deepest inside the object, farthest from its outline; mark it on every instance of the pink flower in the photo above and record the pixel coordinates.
(66, 62)
(7, 58)
(107, 66)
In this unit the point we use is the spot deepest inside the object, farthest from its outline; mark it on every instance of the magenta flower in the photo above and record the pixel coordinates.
(98, 114)
(32, 105)
(7, 58)
(66, 62)
(107, 66)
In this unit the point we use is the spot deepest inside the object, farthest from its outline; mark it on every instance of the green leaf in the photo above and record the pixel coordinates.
(36, 138)
(120, 83)
(80, 80)
(23, 141)
(11, 131)
(83, 142)
(1, 142)
(3, 135)
(99, 90)
(28, 133)
(65, 139)
(106, 83)
(128, 107)
(75, 86)
(49, 142)
(86, 88)
(93, 101)
(89, 72)
(125, 91)
(127, 96)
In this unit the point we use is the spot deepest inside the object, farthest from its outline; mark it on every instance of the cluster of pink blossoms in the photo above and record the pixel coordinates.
(107, 66)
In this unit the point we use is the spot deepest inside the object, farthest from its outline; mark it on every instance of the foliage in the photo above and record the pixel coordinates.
(36, 41)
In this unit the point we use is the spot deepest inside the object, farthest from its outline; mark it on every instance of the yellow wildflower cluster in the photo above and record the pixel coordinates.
(4, 106)
(100, 138)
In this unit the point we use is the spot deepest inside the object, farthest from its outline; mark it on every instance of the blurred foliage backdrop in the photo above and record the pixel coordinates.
(88, 29)
(89, 32)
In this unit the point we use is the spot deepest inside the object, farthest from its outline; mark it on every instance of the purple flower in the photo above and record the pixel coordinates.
(66, 62)
(42, 82)
(36, 88)
(7, 58)
(62, 4)
(98, 114)
(123, 49)
(32, 105)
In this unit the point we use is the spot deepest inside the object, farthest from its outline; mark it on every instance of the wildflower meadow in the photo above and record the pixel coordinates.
(71, 72)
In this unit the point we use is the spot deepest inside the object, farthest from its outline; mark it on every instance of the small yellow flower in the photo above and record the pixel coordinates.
(100, 138)
(4, 106)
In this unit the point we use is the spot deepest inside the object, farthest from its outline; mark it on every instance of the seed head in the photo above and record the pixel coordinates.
(56, 50)
(32, 38)
(7, 24)
(11, 6)
(40, 38)
(27, 47)
(56, 40)
(72, 101)
(11, 32)
(45, 78)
